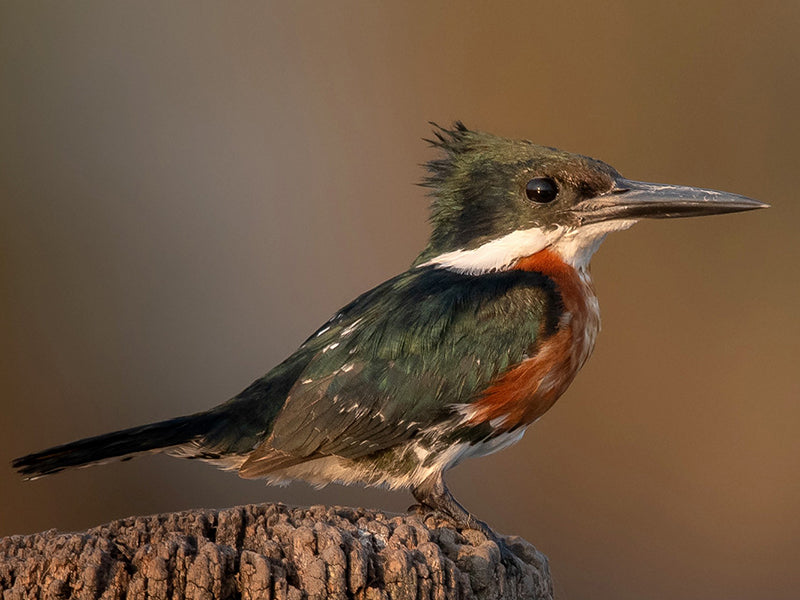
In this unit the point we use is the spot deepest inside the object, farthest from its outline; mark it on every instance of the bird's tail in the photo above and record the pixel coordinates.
(174, 434)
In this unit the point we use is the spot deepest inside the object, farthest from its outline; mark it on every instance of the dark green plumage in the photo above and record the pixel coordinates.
(392, 353)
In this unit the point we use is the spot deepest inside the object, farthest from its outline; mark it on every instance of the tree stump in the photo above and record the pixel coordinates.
(270, 552)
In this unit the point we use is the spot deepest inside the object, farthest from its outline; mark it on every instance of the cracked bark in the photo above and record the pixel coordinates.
(269, 552)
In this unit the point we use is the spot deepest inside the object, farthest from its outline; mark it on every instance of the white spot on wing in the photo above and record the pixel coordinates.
(351, 328)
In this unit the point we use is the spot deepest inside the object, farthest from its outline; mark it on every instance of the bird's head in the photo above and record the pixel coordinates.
(497, 200)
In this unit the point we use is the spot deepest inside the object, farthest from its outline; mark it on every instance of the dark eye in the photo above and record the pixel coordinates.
(541, 190)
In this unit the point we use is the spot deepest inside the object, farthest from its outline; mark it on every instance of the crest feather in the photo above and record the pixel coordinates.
(454, 141)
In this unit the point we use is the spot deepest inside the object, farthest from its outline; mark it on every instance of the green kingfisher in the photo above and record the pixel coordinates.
(453, 358)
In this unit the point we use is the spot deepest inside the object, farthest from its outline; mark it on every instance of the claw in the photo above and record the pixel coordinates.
(433, 494)
(421, 509)
(510, 560)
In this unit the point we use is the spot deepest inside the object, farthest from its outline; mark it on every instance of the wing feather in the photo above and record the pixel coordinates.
(401, 357)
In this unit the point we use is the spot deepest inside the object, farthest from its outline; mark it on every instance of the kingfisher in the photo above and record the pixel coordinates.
(454, 357)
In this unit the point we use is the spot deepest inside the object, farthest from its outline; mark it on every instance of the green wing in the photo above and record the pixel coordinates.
(398, 358)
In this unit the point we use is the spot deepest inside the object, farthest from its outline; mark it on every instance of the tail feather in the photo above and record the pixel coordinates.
(118, 445)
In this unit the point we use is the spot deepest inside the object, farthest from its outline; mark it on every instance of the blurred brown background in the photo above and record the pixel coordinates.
(187, 189)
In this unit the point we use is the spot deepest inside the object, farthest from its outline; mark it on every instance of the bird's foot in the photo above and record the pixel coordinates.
(434, 499)
(421, 509)
(508, 558)
(512, 562)
(426, 511)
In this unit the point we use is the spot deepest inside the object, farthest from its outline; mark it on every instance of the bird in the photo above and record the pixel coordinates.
(453, 358)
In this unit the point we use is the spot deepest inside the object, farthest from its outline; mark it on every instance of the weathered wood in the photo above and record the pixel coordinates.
(269, 551)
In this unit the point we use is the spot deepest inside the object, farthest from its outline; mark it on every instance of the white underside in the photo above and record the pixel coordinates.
(334, 469)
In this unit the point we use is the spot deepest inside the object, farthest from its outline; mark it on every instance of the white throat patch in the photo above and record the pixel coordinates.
(575, 246)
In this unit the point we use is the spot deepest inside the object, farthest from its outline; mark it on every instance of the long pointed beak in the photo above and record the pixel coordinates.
(631, 200)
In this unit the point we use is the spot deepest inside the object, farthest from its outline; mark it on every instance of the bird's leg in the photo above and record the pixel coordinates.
(433, 493)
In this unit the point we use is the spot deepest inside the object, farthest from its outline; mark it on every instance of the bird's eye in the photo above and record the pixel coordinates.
(541, 190)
